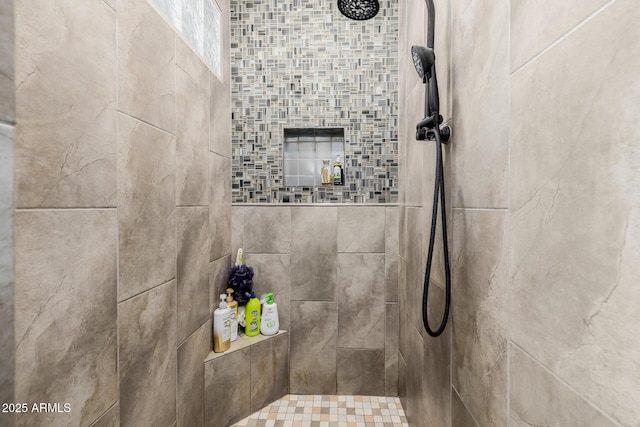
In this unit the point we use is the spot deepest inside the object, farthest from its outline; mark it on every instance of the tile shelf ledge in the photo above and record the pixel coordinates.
(243, 342)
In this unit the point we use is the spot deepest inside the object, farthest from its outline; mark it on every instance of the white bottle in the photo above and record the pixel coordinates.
(269, 322)
(222, 326)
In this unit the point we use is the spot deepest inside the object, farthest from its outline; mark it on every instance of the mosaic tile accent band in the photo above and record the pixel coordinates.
(325, 411)
(302, 64)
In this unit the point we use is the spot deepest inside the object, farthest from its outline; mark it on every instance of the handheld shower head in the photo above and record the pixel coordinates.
(423, 60)
(360, 10)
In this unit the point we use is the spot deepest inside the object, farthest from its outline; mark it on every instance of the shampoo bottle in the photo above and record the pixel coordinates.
(269, 323)
(233, 306)
(252, 316)
(338, 172)
(222, 327)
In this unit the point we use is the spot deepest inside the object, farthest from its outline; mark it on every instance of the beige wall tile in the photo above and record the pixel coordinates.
(147, 357)
(460, 416)
(218, 277)
(436, 368)
(220, 110)
(111, 418)
(237, 229)
(227, 394)
(146, 65)
(536, 24)
(65, 313)
(314, 337)
(361, 229)
(480, 103)
(146, 207)
(65, 101)
(391, 253)
(190, 388)
(7, 337)
(313, 253)
(219, 206)
(192, 128)
(391, 339)
(479, 312)
(575, 224)
(272, 274)
(269, 371)
(192, 269)
(361, 303)
(267, 229)
(7, 85)
(538, 397)
(360, 372)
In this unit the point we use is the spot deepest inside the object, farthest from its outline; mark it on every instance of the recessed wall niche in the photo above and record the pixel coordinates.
(304, 152)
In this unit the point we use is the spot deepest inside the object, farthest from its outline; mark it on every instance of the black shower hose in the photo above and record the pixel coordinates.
(438, 190)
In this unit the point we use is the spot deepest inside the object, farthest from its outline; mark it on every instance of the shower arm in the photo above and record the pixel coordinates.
(431, 22)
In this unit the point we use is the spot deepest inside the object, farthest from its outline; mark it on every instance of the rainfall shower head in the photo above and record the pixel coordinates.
(423, 60)
(360, 10)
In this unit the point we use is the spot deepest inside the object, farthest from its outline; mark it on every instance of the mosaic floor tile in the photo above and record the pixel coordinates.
(329, 411)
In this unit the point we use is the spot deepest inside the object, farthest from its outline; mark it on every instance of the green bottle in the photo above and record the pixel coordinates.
(252, 316)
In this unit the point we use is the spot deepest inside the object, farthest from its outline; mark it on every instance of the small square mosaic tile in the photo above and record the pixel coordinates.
(329, 411)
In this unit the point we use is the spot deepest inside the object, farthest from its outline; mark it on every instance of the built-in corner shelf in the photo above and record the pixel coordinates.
(243, 341)
(253, 373)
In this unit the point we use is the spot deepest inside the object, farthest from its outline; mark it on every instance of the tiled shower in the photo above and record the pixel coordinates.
(141, 144)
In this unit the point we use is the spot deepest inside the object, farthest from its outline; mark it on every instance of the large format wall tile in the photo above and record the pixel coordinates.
(192, 269)
(536, 24)
(192, 128)
(147, 357)
(65, 313)
(436, 368)
(479, 286)
(415, 385)
(575, 223)
(267, 229)
(225, 405)
(220, 110)
(539, 398)
(355, 226)
(7, 338)
(7, 67)
(65, 104)
(271, 274)
(190, 388)
(269, 371)
(360, 372)
(146, 207)
(314, 336)
(146, 65)
(460, 416)
(313, 253)
(218, 280)
(415, 266)
(219, 206)
(111, 418)
(391, 253)
(391, 341)
(361, 305)
(480, 103)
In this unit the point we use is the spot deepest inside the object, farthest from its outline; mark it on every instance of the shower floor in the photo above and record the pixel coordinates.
(295, 410)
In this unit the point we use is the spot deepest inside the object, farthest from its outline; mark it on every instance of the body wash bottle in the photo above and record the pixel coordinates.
(269, 323)
(222, 327)
(252, 316)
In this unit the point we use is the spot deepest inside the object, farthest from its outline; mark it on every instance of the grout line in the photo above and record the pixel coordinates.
(147, 290)
(104, 413)
(564, 36)
(480, 209)
(465, 405)
(563, 382)
(147, 123)
(111, 208)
